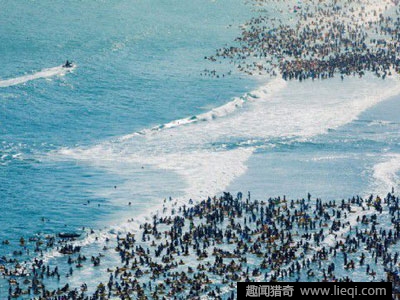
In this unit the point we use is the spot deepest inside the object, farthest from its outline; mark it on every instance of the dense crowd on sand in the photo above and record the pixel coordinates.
(318, 40)
(202, 250)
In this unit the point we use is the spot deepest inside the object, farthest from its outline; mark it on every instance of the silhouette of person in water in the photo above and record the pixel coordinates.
(67, 64)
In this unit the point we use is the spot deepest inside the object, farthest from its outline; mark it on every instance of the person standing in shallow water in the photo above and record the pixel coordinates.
(192, 235)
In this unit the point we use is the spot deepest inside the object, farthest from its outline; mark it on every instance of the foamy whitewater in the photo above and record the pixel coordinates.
(45, 73)
(210, 150)
(136, 122)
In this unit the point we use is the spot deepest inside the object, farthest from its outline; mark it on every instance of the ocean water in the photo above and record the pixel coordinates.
(138, 65)
(135, 120)
(359, 157)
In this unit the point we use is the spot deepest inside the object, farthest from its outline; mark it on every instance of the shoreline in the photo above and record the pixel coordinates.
(129, 224)
(199, 249)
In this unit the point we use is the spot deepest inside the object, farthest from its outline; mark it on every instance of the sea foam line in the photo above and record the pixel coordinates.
(214, 171)
(221, 111)
(299, 111)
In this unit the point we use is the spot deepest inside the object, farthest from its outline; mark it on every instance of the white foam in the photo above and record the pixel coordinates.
(220, 111)
(278, 110)
(186, 147)
(386, 174)
(45, 73)
(299, 111)
(379, 123)
(330, 157)
(289, 110)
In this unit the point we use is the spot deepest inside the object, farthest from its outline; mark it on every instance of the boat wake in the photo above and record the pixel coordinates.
(45, 73)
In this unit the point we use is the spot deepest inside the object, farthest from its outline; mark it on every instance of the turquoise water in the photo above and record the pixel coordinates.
(332, 166)
(69, 155)
(138, 65)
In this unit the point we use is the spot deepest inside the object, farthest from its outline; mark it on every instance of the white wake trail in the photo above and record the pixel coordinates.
(45, 73)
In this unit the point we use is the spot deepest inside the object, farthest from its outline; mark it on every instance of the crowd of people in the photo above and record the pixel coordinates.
(314, 39)
(204, 249)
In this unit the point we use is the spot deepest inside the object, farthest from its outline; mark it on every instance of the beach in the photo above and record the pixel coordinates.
(123, 177)
(201, 251)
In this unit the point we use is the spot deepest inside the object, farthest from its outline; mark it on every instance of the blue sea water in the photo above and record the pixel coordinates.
(138, 65)
(68, 153)
(336, 165)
